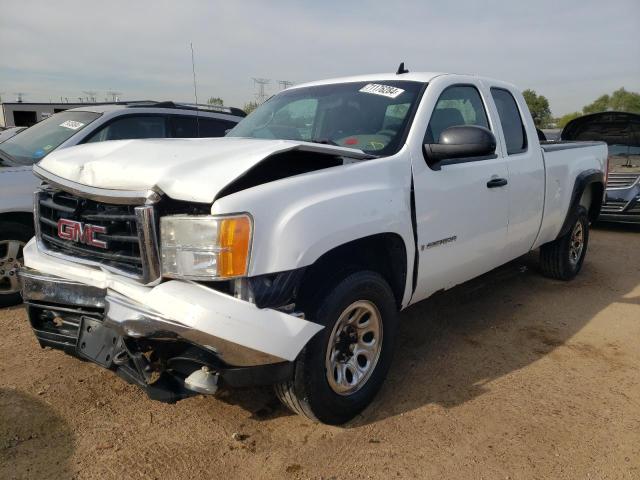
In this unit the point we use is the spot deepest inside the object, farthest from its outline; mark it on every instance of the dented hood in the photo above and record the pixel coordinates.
(184, 169)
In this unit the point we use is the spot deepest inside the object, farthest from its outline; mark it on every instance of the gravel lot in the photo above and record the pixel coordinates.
(510, 376)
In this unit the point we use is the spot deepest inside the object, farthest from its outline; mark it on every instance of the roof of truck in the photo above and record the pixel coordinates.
(424, 77)
(411, 76)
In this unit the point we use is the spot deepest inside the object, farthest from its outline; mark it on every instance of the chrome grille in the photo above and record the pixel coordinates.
(613, 206)
(622, 180)
(636, 207)
(130, 233)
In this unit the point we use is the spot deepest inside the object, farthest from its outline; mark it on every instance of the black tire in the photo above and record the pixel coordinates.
(11, 231)
(557, 258)
(309, 392)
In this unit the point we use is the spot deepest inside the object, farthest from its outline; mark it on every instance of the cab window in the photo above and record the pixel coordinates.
(514, 133)
(457, 105)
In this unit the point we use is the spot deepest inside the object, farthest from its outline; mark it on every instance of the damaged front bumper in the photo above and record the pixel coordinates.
(157, 336)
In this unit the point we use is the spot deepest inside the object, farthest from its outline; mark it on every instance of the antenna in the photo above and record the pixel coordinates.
(284, 84)
(261, 95)
(401, 69)
(195, 90)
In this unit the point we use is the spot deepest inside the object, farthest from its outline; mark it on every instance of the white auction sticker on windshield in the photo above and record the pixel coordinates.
(384, 90)
(72, 125)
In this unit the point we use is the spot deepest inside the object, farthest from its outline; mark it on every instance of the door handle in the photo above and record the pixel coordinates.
(497, 182)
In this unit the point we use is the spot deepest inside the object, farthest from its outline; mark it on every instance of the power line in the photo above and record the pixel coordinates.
(284, 84)
(260, 83)
(91, 95)
(115, 96)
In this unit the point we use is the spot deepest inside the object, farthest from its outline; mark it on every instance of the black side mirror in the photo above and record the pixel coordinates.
(460, 141)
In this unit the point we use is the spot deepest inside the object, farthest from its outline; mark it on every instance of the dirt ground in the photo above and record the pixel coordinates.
(510, 376)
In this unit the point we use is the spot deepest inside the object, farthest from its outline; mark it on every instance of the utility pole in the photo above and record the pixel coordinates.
(91, 95)
(284, 84)
(114, 95)
(261, 94)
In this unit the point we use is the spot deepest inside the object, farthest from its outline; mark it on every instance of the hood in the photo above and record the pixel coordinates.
(184, 169)
(621, 132)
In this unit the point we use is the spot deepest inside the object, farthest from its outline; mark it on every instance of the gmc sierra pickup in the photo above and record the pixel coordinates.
(282, 253)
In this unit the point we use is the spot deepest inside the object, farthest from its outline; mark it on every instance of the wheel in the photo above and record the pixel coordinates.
(13, 237)
(562, 259)
(341, 369)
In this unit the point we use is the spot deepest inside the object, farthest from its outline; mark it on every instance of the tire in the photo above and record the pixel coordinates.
(327, 385)
(561, 259)
(13, 236)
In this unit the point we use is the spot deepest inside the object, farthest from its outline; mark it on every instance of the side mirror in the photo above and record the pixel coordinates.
(460, 141)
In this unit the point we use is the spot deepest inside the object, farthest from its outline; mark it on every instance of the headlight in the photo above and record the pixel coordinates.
(205, 247)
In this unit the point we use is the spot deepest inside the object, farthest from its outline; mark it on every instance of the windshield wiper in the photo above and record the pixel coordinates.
(7, 159)
(324, 141)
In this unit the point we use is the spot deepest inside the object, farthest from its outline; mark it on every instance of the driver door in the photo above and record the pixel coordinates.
(461, 217)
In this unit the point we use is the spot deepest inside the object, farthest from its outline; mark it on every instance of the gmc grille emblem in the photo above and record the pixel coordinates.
(81, 232)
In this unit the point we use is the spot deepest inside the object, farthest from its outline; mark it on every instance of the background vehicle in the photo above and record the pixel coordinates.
(621, 132)
(77, 126)
(551, 134)
(286, 249)
(7, 133)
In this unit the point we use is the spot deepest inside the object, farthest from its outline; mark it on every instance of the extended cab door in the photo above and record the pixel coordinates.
(525, 165)
(461, 209)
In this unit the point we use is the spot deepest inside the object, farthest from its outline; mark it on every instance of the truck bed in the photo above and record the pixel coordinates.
(550, 146)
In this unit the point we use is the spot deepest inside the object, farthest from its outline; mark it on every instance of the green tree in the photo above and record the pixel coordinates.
(250, 106)
(217, 101)
(539, 108)
(563, 120)
(621, 101)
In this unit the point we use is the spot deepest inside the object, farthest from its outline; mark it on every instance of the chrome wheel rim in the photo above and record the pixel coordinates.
(354, 347)
(10, 262)
(577, 243)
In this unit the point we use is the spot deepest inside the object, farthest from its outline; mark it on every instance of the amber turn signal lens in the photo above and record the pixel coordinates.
(234, 240)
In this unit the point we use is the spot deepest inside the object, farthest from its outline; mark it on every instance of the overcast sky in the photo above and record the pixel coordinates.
(571, 51)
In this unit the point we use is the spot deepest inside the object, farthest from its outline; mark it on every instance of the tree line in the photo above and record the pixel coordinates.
(620, 101)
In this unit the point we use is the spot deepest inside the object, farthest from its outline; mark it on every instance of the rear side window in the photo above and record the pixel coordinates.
(130, 127)
(192, 127)
(457, 105)
(214, 128)
(514, 133)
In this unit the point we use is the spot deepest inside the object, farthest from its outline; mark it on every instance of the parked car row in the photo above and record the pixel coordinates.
(282, 253)
(86, 125)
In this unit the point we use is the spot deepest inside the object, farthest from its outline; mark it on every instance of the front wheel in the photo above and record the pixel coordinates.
(13, 237)
(563, 258)
(342, 368)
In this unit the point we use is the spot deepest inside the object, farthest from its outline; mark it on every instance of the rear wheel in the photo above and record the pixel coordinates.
(342, 368)
(13, 237)
(563, 258)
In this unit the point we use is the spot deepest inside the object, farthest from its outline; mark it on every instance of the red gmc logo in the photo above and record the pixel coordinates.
(80, 232)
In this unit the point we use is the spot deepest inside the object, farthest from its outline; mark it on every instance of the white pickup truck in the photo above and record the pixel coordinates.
(282, 253)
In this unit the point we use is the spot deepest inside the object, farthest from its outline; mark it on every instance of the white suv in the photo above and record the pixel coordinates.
(74, 127)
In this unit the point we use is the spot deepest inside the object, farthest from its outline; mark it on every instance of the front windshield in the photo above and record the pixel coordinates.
(32, 144)
(369, 116)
